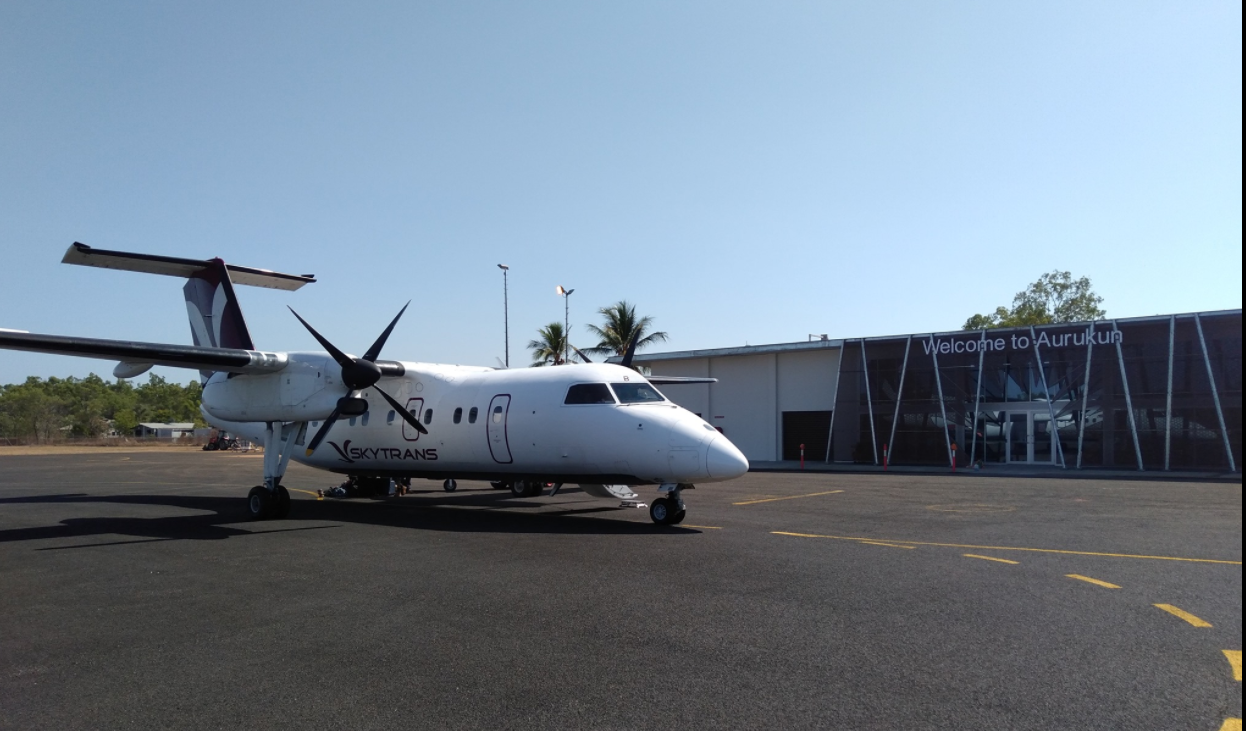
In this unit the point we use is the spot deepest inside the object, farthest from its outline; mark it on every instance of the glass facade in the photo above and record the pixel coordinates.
(1150, 393)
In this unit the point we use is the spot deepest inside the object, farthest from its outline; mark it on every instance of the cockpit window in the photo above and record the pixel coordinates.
(589, 393)
(636, 393)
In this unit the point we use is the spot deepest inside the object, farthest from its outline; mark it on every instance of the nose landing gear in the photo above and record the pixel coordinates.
(669, 510)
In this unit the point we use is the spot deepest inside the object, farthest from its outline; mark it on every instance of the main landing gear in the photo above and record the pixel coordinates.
(669, 510)
(271, 500)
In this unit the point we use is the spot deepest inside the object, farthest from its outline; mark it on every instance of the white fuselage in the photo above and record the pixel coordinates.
(482, 423)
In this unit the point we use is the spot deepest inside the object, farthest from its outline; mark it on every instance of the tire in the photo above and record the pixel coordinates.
(519, 488)
(500, 485)
(259, 503)
(678, 518)
(450, 485)
(281, 503)
(661, 511)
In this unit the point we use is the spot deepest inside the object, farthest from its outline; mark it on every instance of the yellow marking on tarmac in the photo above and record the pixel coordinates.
(1235, 661)
(306, 492)
(789, 497)
(989, 558)
(1231, 724)
(1017, 548)
(1174, 611)
(1096, 582)
(891, 545)
(703, 527)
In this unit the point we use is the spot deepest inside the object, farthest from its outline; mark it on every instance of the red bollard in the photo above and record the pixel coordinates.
(884, 458)
(802, 456)
(953, 456)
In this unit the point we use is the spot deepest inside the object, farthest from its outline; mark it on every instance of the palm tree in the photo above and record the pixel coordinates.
(620, 327)
(549, 347)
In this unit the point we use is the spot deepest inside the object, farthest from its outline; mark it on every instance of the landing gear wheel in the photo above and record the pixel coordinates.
(520, 488)
(677, 518)
(662, 511)
(281, 503)
(500, 485)
(450, 485)
(259, 503)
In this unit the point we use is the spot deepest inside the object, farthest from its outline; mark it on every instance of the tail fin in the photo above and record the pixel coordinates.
(215, 318)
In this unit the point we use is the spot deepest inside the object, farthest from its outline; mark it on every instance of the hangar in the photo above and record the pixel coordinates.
(1145, 393)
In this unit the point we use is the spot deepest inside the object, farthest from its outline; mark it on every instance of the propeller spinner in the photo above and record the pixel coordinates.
(358, 374)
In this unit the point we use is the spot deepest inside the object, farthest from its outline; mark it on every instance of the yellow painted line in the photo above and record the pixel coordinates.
(989, 558)
(891, 545)
(305, 492)
(1231, 724)
(1017, 548)
(789, 497)
(703, 527)
(1096, 582)
(1174, 611)
(1235, 661)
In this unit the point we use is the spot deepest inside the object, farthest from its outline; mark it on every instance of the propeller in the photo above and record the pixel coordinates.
(580, 353)
(629, 353)
(358, 374)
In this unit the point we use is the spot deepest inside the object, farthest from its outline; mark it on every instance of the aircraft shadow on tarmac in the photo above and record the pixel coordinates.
(217, 518)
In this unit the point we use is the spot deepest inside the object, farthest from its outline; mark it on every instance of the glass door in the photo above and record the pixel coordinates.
(1041, 441)
(1019, 436)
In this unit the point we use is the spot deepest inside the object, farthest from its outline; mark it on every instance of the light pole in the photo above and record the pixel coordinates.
(566, 327)
(506, 322)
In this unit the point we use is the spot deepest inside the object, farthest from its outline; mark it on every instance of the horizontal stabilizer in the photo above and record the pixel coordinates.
(172, 266)
(134, 354)
(673, 380)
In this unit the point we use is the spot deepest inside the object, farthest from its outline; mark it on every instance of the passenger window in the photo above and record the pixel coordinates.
(389, 418)
(428, 417)
(364, 419)
(471, 415)
(589, 393)
(352, 421)
(497, 414)
(458, 415)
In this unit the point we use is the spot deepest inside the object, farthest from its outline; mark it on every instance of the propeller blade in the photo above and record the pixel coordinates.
(375, 351)
(631, 353)
(322, 431)
(580, 353)
(406, 415)
(341, 358)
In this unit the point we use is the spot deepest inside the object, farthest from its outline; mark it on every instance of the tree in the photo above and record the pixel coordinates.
(549, 347)
(1056, 297)
(621, 326)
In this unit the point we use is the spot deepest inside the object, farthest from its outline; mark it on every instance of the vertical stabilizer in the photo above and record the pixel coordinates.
(215, 318)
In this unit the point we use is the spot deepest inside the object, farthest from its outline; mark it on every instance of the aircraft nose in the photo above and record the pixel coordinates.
(723, 461)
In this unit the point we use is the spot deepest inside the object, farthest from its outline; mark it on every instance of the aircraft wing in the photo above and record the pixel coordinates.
(233, 360)
(673, 380)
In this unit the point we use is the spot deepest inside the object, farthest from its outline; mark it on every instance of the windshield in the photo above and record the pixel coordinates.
(636, 393)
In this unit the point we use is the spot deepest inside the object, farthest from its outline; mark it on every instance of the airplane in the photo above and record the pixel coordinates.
(603, 426)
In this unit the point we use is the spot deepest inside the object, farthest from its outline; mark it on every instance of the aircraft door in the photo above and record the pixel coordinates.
(495, 417)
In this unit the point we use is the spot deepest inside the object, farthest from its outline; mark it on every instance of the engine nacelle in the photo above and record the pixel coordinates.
(307, 389)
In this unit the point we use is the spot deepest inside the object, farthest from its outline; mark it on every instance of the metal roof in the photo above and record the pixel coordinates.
(832, 344)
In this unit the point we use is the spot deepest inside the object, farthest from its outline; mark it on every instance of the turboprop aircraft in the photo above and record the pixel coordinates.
(604, 426)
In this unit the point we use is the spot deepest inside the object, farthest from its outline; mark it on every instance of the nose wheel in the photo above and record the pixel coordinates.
(667, 511)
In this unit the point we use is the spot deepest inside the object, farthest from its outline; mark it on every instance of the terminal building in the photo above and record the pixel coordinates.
(1144, 393)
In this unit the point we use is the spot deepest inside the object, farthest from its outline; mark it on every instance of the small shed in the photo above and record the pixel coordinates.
(165, 430)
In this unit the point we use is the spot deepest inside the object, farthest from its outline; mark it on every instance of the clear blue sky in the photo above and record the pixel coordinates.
(742, 172)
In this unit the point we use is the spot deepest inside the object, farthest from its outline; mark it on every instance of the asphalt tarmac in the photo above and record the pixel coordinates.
(133, 594)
